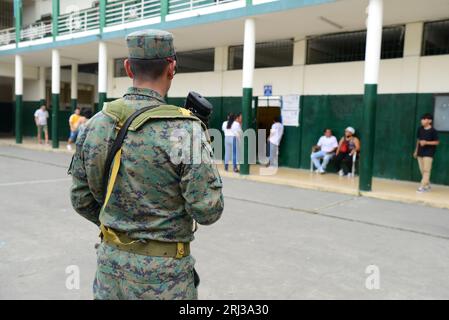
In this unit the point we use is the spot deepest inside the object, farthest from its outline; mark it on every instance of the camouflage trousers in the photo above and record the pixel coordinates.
(124, 275)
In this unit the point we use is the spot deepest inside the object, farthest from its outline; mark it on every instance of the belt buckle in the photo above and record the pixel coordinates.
(180, 251)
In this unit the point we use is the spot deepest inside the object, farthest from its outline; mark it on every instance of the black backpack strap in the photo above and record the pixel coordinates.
(117, 145)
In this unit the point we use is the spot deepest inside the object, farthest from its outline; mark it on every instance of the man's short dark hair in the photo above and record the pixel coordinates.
(148, 70)
(278, 119)
(328, 129)
(427, 116)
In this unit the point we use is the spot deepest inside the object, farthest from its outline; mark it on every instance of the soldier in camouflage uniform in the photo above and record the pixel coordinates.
(154, 201)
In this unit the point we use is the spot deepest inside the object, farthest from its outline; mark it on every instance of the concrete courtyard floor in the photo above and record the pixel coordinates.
(273, 241)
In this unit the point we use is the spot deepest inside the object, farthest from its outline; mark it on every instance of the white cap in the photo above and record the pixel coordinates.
(350, 129)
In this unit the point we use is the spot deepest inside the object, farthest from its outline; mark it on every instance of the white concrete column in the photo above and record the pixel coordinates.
(55, 91)
(373, 41)
(102, 73)
(19, 96)
(249, 57)
(55, 72)
(249, 53)
(42, 83)
(74, 82)
(372, 64)
(102, 67)
(18, 75)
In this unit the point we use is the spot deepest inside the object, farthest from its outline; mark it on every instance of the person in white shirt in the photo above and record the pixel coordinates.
(230, 128)
(276, 132)
(238, 131)
(325, 149)
(40, 118)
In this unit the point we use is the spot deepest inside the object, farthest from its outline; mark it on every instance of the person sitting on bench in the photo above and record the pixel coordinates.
(325, 149)
(348, 149)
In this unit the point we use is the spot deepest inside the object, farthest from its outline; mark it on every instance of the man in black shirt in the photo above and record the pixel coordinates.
(425, 150)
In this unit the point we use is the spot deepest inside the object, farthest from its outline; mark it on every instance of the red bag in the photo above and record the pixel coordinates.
(344, 147)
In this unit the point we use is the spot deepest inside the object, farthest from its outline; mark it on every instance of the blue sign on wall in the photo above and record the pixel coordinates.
(268, 90)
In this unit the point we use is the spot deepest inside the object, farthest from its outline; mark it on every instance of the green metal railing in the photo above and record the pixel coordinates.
(175, 6)
(79, 21)
(120, 12)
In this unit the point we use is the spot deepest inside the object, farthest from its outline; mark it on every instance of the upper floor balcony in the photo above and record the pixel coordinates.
(102, 17)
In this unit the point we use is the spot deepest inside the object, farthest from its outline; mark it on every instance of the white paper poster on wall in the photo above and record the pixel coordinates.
(290, 110)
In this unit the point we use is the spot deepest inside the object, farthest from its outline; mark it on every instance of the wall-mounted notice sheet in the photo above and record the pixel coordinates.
(290, 110)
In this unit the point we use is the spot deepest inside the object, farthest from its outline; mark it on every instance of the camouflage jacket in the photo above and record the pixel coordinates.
(153, 196)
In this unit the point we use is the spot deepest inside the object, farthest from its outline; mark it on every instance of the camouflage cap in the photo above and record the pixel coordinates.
(150, 44)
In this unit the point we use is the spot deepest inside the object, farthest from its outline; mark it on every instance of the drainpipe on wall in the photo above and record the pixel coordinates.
(164, 9)
(54, 18)
(18, 15)
(102, 14)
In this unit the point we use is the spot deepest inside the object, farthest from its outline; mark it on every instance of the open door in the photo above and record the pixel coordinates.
(268, 109)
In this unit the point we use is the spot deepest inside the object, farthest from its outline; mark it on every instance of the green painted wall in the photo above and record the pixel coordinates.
(397, 120)
(394, 140)
(320, 112)
(440, 173)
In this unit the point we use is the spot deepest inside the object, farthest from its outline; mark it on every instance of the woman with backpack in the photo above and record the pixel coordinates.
(348, 146)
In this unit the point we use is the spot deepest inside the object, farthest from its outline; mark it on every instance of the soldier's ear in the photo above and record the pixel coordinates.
(171, 69)
(128, 70)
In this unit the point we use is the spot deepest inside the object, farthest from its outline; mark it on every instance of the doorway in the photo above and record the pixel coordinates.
(268, 109)
(7, 106)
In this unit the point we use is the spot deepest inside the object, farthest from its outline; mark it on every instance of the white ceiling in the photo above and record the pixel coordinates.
(298, 23)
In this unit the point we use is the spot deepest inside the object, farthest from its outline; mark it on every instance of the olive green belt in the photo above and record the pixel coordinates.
(152, 248)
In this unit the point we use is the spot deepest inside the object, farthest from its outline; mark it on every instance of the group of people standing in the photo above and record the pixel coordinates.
(233, 133)
(76, 121)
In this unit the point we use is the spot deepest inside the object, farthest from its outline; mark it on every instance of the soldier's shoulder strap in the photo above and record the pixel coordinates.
(127, 119)
(121, 112)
